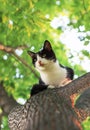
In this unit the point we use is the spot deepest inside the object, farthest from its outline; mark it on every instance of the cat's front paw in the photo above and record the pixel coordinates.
(65, 82)
(51, 86)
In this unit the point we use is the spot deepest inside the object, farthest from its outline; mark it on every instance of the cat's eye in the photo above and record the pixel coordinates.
(34, 59)
(44, 55)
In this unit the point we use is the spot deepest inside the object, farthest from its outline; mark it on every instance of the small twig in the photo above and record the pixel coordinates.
(24, 62)
(12, 51)
(5, 48)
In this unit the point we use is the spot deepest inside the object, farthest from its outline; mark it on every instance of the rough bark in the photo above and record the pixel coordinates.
(83, 104)
(51, 109)
(77, 86)
(45, 111)
(6, 102)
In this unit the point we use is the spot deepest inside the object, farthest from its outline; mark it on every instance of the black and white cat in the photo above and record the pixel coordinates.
(51, 72)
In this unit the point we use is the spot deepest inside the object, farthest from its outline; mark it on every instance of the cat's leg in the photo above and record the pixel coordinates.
(65, 82)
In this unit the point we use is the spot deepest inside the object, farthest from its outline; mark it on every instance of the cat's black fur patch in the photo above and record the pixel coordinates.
(70, 72)
(46, 53)
(38, 88)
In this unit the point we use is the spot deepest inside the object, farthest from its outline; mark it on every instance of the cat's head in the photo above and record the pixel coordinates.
(43, 58)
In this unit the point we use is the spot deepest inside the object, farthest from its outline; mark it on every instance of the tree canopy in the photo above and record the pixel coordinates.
(24, 25)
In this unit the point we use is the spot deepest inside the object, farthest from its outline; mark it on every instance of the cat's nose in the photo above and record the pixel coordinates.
(40, 63)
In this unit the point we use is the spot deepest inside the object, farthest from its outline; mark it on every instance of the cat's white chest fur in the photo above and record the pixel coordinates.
(53, 74)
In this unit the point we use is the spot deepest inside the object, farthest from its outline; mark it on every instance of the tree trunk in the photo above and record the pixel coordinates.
(7, 103)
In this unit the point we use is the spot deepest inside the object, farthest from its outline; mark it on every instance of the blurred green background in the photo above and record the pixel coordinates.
(24, 25)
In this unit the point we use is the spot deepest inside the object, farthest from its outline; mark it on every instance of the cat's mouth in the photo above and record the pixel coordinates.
(41, 64)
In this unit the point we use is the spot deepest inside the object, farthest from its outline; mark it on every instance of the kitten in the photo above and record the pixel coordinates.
(51, 72)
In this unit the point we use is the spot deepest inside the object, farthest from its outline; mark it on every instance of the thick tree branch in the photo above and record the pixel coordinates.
(76, 86)
(51, 109)
(45, 111)
(82, 104)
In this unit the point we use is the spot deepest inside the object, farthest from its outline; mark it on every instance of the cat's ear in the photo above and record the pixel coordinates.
(32, 54)
(47, 45)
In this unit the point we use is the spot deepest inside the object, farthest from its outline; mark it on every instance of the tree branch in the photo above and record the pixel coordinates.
(12, 51)
(6, 102)
(76, 86)
(45, 111)
(82, 104)
(51, 109)
(25, 63)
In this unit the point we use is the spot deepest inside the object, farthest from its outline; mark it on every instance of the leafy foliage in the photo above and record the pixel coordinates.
(27, 23)
(86, 124)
